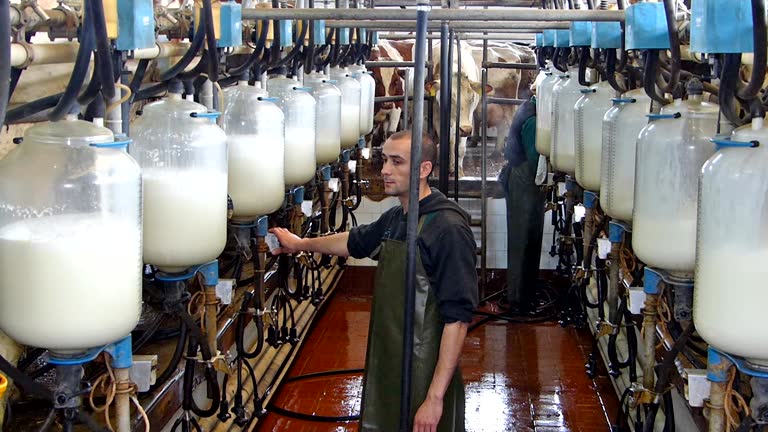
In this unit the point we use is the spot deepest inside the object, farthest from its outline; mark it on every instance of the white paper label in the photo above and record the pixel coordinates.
(272, 242)
(366, 152)
(603, 248)
(561, 189)
(224, 290)
(579, 212)
(352, 165)
(306, 208)
(334, 184)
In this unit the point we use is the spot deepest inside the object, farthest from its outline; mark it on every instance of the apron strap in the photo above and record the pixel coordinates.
(424, 219)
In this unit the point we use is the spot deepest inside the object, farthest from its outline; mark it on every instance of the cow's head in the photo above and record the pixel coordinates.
(470, 98)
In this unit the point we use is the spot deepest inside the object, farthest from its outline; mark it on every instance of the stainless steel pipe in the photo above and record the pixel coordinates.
(547, 15)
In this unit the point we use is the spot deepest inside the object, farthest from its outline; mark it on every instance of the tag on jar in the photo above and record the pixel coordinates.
(306, 208)
(603, 247)
(224, 290)
(334, 184)
(561, 189)
(352, 165)
(579, 212)
(272, 242)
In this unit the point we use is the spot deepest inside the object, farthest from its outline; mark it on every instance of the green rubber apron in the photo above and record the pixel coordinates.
(380, 408)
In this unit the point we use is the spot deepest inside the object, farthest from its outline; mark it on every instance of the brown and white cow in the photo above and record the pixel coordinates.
(470, 91)
(506, 83)
(389, 82)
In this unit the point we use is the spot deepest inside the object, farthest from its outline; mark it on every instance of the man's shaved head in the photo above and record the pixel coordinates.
(428, 146)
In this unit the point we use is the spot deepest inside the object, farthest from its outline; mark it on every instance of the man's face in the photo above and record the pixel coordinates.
(396, 155)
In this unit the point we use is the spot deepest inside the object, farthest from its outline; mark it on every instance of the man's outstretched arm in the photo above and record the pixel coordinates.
(335, 244)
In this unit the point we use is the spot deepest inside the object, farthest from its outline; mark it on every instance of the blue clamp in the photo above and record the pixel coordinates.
(343, 36)
(114, 144)
(623, 100)
(345, 155)
(548, 38)
(331, 81)
(587, 90)
(539, 40)
(212, 115)
(646, 26)
(262, 226)
(325, 171)
(569, 184)
(210, 272)
(286, 33)
(615, 232)
(721, 27)
(606, 35)
(121, 352)
(728, 142)
(580, 34)
(267, 99)
(319, 32)
(298, 195)
(651, 281)
(306, 89)
(562, 38)
(590, 200)
(653, 117)
(719, 362)
(361, 143)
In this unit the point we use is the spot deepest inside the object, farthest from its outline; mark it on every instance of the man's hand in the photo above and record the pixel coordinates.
(289, 242)
(428, 415)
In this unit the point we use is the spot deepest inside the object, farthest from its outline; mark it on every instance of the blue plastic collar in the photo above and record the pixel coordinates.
(651, 281)
(580, 34)
(562, 38)
(606, 35)
(590, 200)
(646, 26)
(298, 195)
(325, 171)
(262, 226)
(548, 38)
(615, 232)
(719, 362)
(115, 144)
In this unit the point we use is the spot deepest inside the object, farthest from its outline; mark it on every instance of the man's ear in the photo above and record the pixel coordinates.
(432, 88)
(478, 88)
(426, 169)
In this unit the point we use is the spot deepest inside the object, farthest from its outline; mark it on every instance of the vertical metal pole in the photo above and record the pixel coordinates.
(445, 105)
(413, 214)
(430, 78)
(458, 120)
(484, 174)
(406, 104)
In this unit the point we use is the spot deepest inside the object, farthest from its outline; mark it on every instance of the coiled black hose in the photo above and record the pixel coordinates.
(248, 298)
(674, 48)
(173, 364)
(82, 62)
(5, 58)
(196, 340)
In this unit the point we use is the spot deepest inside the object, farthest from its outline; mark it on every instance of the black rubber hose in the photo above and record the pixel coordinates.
(728, 81)
(557, 60)
(19, 113)
(82, 62)
(5, 58)
(151, 91)
(95, 109)
(104, 60)
(138, 77)
(94, 86)
(257, 52)
(240, 328)
(669, 413)
(583, 62)
(210, 37)
(649, 76)
(175, 359)
(186, 59)
(674, 48)
(759, 65)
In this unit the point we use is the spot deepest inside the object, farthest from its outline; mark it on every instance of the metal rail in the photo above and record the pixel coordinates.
(514, 37)
(458, 26)
(547, 15)
(505, 101)
(520, 66)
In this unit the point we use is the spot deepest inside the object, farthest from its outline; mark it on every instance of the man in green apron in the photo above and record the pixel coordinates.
(446, 295)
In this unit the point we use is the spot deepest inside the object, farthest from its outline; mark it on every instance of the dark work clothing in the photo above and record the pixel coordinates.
(447, 251)
(516, 149)
(380, 407)
(525, 206)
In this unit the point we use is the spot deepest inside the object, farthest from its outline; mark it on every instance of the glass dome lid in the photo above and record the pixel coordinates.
(70, 132)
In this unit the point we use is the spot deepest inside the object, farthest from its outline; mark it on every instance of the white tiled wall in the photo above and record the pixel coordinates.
(496, 257)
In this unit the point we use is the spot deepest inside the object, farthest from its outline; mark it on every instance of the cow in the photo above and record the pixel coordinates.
(506, 83)
(470, 98)
(389, 82)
